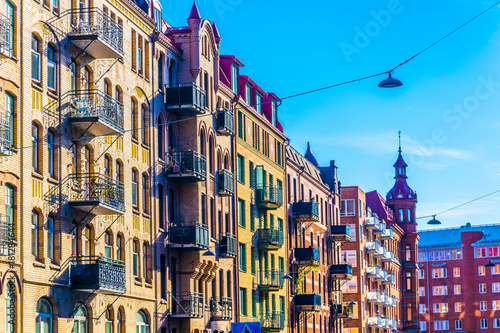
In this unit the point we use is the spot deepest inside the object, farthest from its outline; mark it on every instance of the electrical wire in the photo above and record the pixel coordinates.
(284, 98)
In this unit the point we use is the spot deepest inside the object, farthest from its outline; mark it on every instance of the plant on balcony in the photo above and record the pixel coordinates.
(299, 279)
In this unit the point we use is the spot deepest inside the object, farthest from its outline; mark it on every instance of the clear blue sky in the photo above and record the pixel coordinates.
(448, 108)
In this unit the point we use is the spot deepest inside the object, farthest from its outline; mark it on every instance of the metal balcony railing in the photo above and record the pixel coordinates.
(274, 321)
(270, 280)
(341, 271)
(97, 193)
(375, 248)
(191, 235)
(225, 122)
(187, 305)
(227, 246)
(94, 106)
(388, 233)
(5, 37)
(375, 296)
(98, 274)
(6, 146)
(376, 272)
(187, 166)
(95, 32)
(269, 197)
(340, 233)
(388, 256)
(307, 302)
(372, 223)
(270, 238)
(308, 256)
(381, 228)
(186, 99)
(375, 321)
(225, 183)
(305, 211)
(221, 308)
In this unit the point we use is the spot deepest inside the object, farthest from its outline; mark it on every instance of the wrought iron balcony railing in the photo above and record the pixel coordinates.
(94, 32)
(225, 122)
(187, 166)
(343, 310)
(227, 246)
(269, 197)
(5, 37)
(225, 183)
(270, 238)
(6, 146)
(191, 235)
(273, 322)
(187, 305)
(340, 233)
(341, 272)
(97, 193)
(307, 302)
(222, 308)
(305, 211)
(98, 274)
(95, 112)
(270, 280)
(186, 99)
(308, 256)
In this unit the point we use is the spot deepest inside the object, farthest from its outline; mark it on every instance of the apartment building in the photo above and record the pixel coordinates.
(459, 279)
(315, 238)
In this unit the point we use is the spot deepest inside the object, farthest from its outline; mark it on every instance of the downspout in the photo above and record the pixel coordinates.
(21, 203)
(236, 276)
(428, 290)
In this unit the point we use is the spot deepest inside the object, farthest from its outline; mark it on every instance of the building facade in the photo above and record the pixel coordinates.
(459, 279)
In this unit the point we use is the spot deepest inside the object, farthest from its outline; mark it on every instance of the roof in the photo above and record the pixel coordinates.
(300, 160)
(310, 157)
(195, 13)
(451, 237)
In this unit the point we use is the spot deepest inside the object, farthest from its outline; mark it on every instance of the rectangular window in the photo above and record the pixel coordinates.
(351, 286)
(423, 325)
(258, 103)
(251, 175)
(456, 254)
(482, 306)
(439, 273)
(248, 94)
(495, 270)
(493, 251)
(35, 60)
(480, 252)
(241, 169)
(421, 291)
(456, 272)
(457, 289)
(439, 290)
(441, 325)
(347, 207)
(482, 288)
(252, 260)
(483, 323)
(353, 232)
(50, 238)
(243, 301)
(350, 257)
(421, 274)
(496, 322)
(51, 69)
(274, 113)
(254, 303)
(234, 78)
(495, 287)
(421, 308)
(241, 213)
(440, 307)
(481, 270)
(458, 307)
(243, 257)
(458, 324)
(495, 305)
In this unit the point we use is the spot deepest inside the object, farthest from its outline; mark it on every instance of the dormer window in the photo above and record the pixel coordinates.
(258, 103)
(274, 113)
(248, 94)
(158, 19)
(234, 78)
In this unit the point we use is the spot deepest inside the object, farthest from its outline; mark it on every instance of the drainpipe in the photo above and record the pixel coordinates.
(21, 203)
(236, 276)
(428, 291)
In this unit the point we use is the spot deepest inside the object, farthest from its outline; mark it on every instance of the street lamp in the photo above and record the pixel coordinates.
(390, 82)
(434, 221)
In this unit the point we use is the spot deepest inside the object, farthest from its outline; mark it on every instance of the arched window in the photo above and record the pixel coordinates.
(51, 68)
(144, 125)
(9, 14)
(80, 320)
(135, 188)
(133, 110)
(35, 58)
(118, 171)
(120, 321)
(161, 139)
(35, 241)
(119, 247)
(108, 328)
(108, 247)
(135, 258)
(43, 323)
(50, 238)
(9, 118)
(107, 87)
(107, 162)
(86, 240)
(211, 151)
(145, 193)
(35, 147)
(10, 301)
(202, 143)
(142, 325)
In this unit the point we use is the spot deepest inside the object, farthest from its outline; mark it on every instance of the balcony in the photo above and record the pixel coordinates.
(381, 228)
(227, 246)
(193, 236)
(389, 301)
(98, 274)
(225, 183)
(95, 33)
(307, 302)
(6, 146)
(221, 309)
(95, 113)
(388, 256)
(272, 322)
(187, 305)
(391, 279)
(187, 166)
(375, 322)
(344, 310)
(341, 272)
(269, 197)
(5, 37)
(271, 239)
(375, 296)
(186, 99)
(375, 249)
(388, 233)
(393, 323)
(270, 280)
(372, 223)
(97, 194)
(340, 233)
(375, 272)
(308, 256)
(305, 211)
(225, 122)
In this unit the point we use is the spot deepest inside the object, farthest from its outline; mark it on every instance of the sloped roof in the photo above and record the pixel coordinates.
(451, 237)
(311, 169)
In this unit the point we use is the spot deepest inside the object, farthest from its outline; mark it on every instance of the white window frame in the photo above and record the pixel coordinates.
(483, 306)
(483, 323)
(458, 324)
(345, 203)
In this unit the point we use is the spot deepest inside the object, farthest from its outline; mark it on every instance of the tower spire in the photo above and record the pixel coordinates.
(399, 150)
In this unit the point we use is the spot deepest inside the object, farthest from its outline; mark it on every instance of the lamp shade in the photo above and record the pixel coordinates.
(390, 82)
(434, 221)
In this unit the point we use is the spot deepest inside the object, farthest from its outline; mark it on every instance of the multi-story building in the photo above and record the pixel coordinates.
(314, 242)
(459, 278)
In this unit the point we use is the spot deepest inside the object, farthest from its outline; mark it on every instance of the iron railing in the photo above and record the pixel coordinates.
(187, 162)
(271, 279)
(307, 256)
(225, 122)
(5, 133)
(188, 304)
(90, 22)
(270, 237)
(305, 210)
(96, 104)
(98, 273)
(5, 36)
(189, 97)
(221, 308)
(227, 246)
(225, 182)
(269, 196)
(190, 234)
(273, 321)
(98, 187)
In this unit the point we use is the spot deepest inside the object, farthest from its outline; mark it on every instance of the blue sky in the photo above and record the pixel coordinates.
(447, 110)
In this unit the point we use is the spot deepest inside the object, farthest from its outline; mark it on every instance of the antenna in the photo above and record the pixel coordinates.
(399, 150)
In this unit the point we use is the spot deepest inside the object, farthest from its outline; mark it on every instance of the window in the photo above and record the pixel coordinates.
(241, 213)
(440, 307)
(458, 324)
(441, 325)
(145, 193)
(495, 270)
(139, 55)
(408, 252)
(456, 254)
(350, 286)
(141, 322)
(481, 270)
(421, 291)
(248, 94)
(243, 301)
(439, 273)
(108, 249)
(408, 281)
(251, 175)
(10, 301)
(252, 260)
(421, 308)
(493, 251)
(480, 252)
(234, 78)
(496, 322)
(43, 321)
(495, 287)
(119, 248)
(108, 322)
(456, 272)
(135, 189)
(135, 258)
(457, 289)
(50, 238)
(50, 153)
(34, 233)
(400, 214)
(145, 261)
(482, 288)
(439, 290)
(242, 257)
(51, 68)
(35, 58)
(144, 125)
(35, 156)
(133, 118)
(347, 207)
(80, 320)
(483, 323)
(9, 118)
(349, 256)
(258, 103)
(9, 14)
(120, 328)
(423, 325)
(421, 273)
(482, 306)
(9, 216)
(241, 169)
(458, 307)
(274, 113)
(495, 305)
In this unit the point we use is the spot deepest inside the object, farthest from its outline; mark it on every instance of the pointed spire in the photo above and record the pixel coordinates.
(310, 157)
(195, 13)
(399, 142)
(216, 31)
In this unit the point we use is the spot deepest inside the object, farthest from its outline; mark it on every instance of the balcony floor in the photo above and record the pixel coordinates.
(94, 126)
(95, 46)
(96, 207)
(186, 177)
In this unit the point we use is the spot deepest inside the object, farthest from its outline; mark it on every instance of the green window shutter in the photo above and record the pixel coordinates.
(280, 224)
(251, 174)
(252, 258)
(252, 218)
